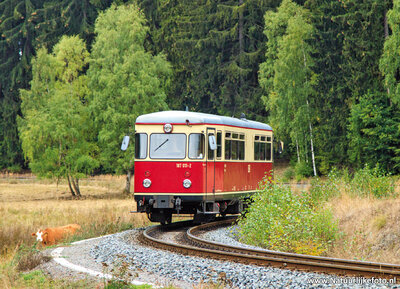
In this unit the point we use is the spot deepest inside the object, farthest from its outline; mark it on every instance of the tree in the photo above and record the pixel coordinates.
(363, 33)
(55, 129)
(16, 49)
(125, 82)
(390, 60)
(26, 25)
(288, 78)
(330, 102)
(374, 137)
(215, 48)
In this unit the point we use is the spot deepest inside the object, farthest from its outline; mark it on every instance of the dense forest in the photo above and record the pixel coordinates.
(324, 74)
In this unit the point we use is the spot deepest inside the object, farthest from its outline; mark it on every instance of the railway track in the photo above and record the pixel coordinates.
(191, 243)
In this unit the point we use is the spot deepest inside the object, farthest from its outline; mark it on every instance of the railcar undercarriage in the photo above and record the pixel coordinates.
(161, 208)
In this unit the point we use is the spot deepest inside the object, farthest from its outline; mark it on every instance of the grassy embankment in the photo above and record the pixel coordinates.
(344, 215)
(27, 204)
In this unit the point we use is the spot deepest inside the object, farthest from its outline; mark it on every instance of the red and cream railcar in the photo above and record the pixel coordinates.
(196, 163)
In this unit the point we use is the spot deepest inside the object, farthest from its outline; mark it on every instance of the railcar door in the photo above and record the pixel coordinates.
(210, 164)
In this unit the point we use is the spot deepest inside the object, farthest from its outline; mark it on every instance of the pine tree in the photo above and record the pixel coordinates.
(215, 48)
(363, 39)
(330, 101)
(390, 60)
(16, 33)
(26, 25)
(288, 77)
(374, 135)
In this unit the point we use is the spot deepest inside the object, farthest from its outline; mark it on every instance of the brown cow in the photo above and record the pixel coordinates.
(50, 236)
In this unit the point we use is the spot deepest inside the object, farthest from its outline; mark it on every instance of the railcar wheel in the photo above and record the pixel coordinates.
(167, 219)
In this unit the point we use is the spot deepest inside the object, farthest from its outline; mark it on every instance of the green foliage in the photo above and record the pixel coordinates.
(288, 174)
(390, 62)
(280, 219)
(365, 182)
(56, 129)
(35, 275)
(323, 190)
(362, 25)
(303, 170)
(372, 182)
(125, 81)
(373, 132)
(24, 27)
(215, 48)
(330, 103)
(287, 76)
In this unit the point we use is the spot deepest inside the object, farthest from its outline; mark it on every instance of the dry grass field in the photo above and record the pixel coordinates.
(369, 227)
(27, 204)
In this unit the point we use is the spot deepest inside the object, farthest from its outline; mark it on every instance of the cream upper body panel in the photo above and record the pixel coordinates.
(249, 137)
(230, 129)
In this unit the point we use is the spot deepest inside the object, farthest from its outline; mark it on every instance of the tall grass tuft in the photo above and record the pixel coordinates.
(366, 182)
(373, 182)
(279, 219)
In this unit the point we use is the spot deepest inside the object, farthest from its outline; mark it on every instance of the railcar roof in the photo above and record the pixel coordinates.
(176, 117)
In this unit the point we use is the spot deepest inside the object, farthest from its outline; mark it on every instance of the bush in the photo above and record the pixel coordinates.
(323, 190)
(14, 169)
(288, 175)
(303, 170)
(365, 182)
(372, 182)
(279, 219)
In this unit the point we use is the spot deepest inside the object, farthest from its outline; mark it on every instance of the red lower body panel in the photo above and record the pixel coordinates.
(167, 177)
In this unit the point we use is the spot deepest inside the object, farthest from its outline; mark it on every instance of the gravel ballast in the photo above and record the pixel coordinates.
(163, 268)
(194, 270)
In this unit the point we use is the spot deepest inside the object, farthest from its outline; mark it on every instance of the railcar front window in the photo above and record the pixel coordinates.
(140, 146)
(167, 146)
(196, 146)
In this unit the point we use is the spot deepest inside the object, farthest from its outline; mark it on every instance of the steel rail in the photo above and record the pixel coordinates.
(210, 249)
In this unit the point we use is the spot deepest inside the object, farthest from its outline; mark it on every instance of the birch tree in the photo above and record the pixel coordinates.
(55, 127)
(288, 78)
(125, 82)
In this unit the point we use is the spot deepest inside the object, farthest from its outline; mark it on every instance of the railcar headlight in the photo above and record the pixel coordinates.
(167, 128)
(187, 183)
(146, 183)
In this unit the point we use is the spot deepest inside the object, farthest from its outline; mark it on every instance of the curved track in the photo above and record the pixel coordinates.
(193, 244)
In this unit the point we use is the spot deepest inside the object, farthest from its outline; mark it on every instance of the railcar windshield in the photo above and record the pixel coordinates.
(168, 146)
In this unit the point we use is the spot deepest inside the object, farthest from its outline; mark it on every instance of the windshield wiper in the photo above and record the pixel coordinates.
(162, 144)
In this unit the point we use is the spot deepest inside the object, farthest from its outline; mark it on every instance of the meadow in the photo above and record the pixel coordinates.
(27, 203)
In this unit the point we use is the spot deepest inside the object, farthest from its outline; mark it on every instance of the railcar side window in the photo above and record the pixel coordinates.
(234, 146)
(262, 148)
(196, 146)
(241, 150)
(228, 149)
(269, 151)
(219, 144)
(167, 146)
(140, 146)
(234, 150)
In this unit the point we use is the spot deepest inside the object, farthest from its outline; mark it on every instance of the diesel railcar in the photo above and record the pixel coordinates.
(197, 163)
